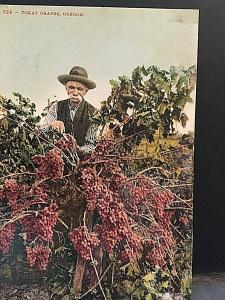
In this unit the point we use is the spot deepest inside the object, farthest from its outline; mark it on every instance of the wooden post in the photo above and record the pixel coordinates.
(78, 275)
(80, 265)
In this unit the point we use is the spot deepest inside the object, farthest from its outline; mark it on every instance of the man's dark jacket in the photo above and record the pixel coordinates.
(79, 125)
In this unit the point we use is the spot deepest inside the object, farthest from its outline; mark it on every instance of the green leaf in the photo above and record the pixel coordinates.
(133, 270)
(19, 257)
(115, 84)
(128, 286)
(149, 297)
(138, 293)
(6, 271)
(185, 284)
(148, 285)
(59, 290)
(73, 291)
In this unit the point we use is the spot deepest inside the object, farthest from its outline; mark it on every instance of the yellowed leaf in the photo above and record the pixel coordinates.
(165, 284)
(149, 297)
(149, 277)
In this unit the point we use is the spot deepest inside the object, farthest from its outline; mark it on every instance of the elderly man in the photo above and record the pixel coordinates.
(72, 115)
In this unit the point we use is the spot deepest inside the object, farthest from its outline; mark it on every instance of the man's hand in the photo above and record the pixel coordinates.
(58, 125)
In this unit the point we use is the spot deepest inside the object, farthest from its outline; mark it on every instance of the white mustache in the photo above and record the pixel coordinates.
(78, 97)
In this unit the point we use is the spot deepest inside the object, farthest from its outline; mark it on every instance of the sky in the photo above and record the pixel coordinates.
(38, 43)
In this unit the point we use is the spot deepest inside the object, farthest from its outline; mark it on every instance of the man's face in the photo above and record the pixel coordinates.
(76, 91)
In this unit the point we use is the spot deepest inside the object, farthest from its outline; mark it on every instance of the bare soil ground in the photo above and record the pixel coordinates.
(24, 292)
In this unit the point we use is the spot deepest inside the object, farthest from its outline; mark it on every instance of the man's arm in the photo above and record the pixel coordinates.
(51, 122)
(90, 139)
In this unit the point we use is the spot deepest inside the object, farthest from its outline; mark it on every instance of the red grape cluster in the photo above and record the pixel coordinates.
(22, 196)
(103, 206)
(117, 216)
(112, 211)
(84, 241)
(41, 225)
(156, 258)
(131, 246)
(67, 143)
(114, 176)
(109, 237)
(50, 165)
(92, 186)
(46, 221)
(141, 192)
(115, 230)
(103, 196)
(112, 168)
(6, 237)
(164, 219)
(117, 199)
(28, 227)
(41, 192)
(127, 254)
(103, 148)
(135, 241)
(162, 236)
(168, 239)
(11, 191)
(164, 198)
(38, 256)
(117, 181)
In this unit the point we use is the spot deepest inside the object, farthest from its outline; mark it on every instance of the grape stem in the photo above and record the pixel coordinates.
(100, 279)
(16, 218)
(63, 223)
(17, 174)
(167, 190)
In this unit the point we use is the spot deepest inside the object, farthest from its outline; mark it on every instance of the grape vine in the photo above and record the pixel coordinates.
(137, 217)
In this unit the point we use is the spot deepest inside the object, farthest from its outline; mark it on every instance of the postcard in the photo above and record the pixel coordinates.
(97, 110)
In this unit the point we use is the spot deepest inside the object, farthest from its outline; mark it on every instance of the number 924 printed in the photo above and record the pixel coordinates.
(7, 12)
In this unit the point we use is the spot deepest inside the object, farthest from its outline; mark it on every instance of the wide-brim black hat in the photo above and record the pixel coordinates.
(78, 74)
